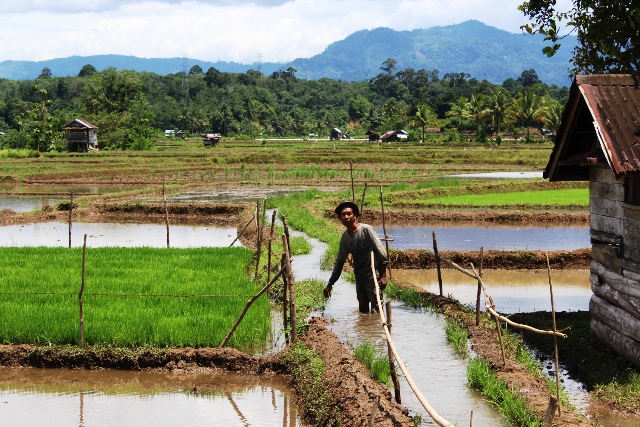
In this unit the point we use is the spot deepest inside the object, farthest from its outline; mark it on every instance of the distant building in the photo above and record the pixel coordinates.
(599, 141)
(169, 133)
(373, 135)
(210, 139)
(335, 134)
(181, 134)
(81, 136)
(394, 135)
(431, 130)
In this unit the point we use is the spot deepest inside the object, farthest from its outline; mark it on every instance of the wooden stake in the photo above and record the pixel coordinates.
(84, 260)
(479, 287)
(551, 411)
(386, 237)
(364, 193)
(273, 220)
(374, 410)
(259, 231)
(70, 212)
(246, 307)
(287, 247)
(166, 212)
(353, 190)
(435, 251)
(499, 327)
(242, 231)
(392, 364)
(292, 295)
(555, 338)
(471, 419)
(285, 302)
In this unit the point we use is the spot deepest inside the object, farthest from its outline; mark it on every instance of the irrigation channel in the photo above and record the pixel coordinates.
(61, 397)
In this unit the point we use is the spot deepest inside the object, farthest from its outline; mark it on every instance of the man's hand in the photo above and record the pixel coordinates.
(327, 291)
(382, 281)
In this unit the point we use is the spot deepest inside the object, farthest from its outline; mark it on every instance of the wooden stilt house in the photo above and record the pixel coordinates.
(81, 136)
(599, 141)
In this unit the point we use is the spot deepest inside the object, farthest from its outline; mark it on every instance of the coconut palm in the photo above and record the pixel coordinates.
(553, 117)
(478, 109)
(498, 104)
(459, 109)
(528, 109)
(424, 117)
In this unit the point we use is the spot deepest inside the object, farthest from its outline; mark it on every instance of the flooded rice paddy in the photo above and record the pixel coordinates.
(116, 234)
(59, 397)
(22, 204)
(498, 237)
(237, 194)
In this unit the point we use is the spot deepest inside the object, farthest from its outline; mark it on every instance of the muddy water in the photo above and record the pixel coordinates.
(464, 238)
(513, 291)
(115, 234)
(52, 397)
(21, 204)
(237, 194)
(420, 340)
(62, 189)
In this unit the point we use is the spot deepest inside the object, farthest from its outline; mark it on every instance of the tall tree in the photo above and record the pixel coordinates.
(498, 104)
(478, 109)
(424, 117)
(87, 71)
(528, 109)
(460, 109)
(389, 65)
(608, 32)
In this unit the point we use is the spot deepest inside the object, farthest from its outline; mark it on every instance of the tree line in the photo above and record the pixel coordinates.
(131, 109)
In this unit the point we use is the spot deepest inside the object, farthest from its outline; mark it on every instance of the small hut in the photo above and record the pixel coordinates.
(373, 135)
(81, 136)
(599, 141)
(394, 135)
(210, 139)
(335, 134)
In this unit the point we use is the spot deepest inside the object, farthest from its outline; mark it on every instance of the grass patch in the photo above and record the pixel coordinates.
(512, 407)
(565, 198)
(18, 154)
(130, 319)
(458, 336)
(409, 296)
(376, 363)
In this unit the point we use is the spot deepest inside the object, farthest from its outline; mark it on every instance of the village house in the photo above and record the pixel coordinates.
(394, 135)
(335, 134)
(599, 142)
(81, 136)
(373, 135)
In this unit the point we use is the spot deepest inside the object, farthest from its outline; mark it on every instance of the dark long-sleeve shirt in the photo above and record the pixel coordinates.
(361, 244)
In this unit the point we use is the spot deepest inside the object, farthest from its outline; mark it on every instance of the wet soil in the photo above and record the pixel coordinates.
(486, 345)
(489, 216)
(579, 259)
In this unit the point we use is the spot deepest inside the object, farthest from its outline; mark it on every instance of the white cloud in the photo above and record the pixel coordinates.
(223, 29)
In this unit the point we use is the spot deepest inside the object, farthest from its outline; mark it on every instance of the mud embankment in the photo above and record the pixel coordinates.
(578, 259)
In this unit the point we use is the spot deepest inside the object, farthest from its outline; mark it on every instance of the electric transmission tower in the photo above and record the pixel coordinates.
(259, 56)
(185, 70)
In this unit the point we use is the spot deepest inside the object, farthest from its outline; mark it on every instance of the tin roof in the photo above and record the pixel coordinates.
(79, 124)
(603, 113)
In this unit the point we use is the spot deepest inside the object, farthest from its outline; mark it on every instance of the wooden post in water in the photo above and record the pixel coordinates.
(287, 247)
(166, 211)
(386, 237)
(471, 419)
(292, 295)
(84, 260)
(392, 364)
(259, 231)
(435, 251)
(479, 287)
(353, 190)
(285, 302)
(273, 220)
(364, 193)
(241, 231)
(70, 212)
(499, 327)
(555, 337)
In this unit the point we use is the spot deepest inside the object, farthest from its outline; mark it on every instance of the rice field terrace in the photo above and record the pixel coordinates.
(132, 297)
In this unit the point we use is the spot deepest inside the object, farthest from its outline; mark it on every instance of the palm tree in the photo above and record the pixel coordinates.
(498, 104)
(226, 112)
(424, 117)
(459, 109)
(528, 108)
(478, 109)
(372, 118)
(554, 116)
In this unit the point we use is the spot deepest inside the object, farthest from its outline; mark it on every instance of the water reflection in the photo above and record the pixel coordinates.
(57, 397)
(464, 238)
(114, 234)
(21, 204)
(513, 291)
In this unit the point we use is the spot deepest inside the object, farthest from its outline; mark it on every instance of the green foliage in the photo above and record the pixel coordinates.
(184, 317)
(18, 154)
(572, 197)
(511, 405)
(408, 296)
(457, 335)
(376, 363)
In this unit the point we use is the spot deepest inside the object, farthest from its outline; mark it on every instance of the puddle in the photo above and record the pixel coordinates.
(237, 194)
(513, 291)
(116, 234)
(464, 238)
(21, 204)
(420, 339)
(58, 397)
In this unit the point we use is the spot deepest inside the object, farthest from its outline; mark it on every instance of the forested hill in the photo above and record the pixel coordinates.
(471, 47)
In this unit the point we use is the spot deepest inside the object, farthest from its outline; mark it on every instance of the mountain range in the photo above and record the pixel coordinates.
(472, 47)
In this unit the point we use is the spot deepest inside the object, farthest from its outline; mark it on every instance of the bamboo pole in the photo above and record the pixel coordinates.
(386, 237)
(425, 404)
(292, 295)
(84, 260)
(392, 365)
(499, 328)
(259, 231)
(242, 231)
(246, 307)
(353, 190)
(364, 193)
(479, 287)
(166, 211)
(70, 213)
(285, 302)
(273, 220)
(435, 251)
(555, 338)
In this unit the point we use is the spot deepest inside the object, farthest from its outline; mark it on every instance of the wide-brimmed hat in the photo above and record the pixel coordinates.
(347, 204)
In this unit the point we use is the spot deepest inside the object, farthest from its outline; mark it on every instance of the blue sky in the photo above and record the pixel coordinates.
(213, 30)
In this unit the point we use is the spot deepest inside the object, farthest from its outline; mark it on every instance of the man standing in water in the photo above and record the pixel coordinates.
(359, 240)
